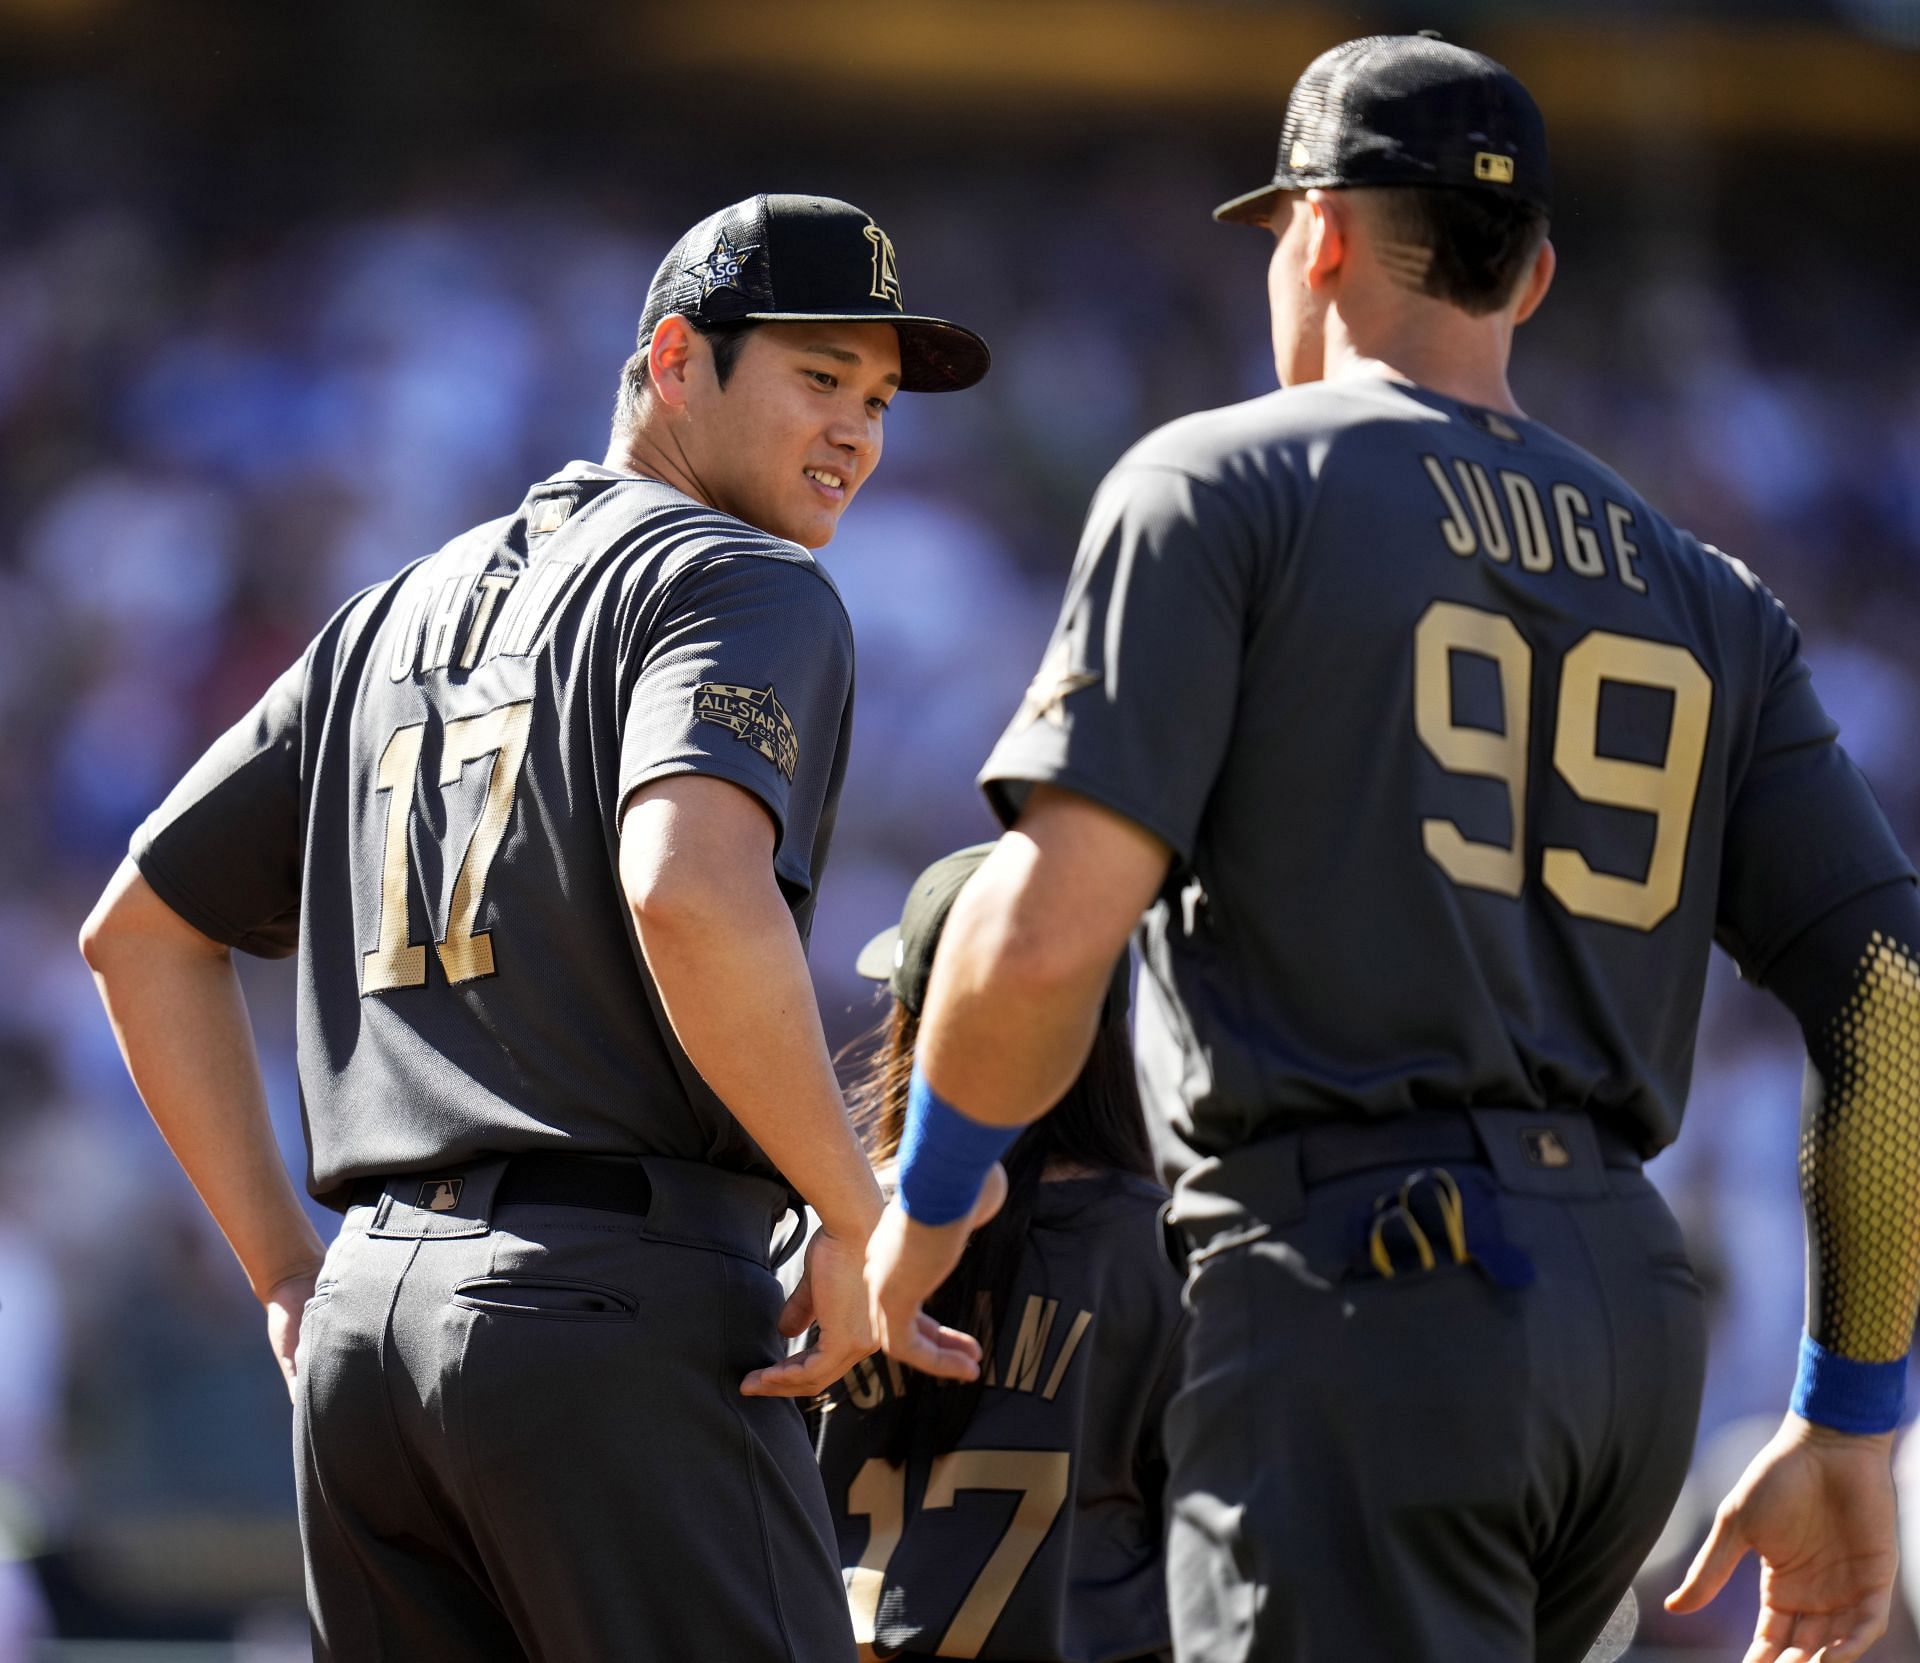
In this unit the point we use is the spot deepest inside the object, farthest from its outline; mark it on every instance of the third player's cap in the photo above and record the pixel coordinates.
(901, 955)
(807, 259)
(1406, 110)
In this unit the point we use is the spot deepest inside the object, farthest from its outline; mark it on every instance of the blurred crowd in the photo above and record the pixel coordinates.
(208, 438)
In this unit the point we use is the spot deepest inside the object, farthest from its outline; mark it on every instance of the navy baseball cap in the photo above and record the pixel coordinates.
(901, 955)
(807, 259)
(1406, 110)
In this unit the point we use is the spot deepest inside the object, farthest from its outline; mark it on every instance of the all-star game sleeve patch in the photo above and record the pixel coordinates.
(754, 716)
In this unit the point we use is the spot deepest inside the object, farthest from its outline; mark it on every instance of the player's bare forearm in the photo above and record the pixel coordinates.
(696, 862)
(1027, 955)
(181, 1021)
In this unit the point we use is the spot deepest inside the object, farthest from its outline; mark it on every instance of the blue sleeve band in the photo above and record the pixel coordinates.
(944, 1156)
(1836, 1391)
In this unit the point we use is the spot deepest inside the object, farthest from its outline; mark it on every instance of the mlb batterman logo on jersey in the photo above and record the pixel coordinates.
(755, 716)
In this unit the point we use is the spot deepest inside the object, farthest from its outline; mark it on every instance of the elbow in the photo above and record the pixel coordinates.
(680, 900)
(101, 934)
(130, 925)
(1025, 952)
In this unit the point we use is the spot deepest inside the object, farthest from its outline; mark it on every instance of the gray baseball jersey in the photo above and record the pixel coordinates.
(426, 807)
(1465, 754)
(1039, 1536)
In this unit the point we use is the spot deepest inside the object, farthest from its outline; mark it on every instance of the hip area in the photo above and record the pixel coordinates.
(1499, 1191)
(556, 1235)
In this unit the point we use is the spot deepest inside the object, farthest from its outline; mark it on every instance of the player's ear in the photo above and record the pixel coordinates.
(1539, 278)
(669, 354)
(1327, 233)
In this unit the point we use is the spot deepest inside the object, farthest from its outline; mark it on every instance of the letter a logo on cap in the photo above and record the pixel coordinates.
(886, 274)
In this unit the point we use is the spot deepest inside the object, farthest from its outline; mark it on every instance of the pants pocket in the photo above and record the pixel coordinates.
(555, 1298)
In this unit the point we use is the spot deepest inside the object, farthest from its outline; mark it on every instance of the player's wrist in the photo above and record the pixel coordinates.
(945, 1156)
(270, 1287)
(1843, 1395)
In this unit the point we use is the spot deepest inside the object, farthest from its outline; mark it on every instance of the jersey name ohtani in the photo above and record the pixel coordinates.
(1032, 1361)
(471, 618)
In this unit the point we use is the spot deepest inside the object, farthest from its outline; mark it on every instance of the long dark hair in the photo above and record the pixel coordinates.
(1097, 1125)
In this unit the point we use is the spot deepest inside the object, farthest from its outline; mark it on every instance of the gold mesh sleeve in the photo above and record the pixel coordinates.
(1860, 1162)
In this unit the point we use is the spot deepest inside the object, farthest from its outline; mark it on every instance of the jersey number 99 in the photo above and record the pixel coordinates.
(1665, 790)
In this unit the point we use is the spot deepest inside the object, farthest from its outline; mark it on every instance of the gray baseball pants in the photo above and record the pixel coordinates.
(1426, 1465)
(519, 1432)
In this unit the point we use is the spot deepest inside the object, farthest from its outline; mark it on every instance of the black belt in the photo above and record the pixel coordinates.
(1339, 1149)
(608, 1183)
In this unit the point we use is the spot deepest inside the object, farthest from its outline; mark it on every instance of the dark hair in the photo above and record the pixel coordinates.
(1480, 244)
(1097, 1124)
(726, 340)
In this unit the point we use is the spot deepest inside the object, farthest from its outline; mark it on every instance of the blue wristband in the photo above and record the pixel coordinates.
(944, 1156)
(1836, 1391)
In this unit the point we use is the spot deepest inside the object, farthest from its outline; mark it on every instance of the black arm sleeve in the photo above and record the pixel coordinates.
(1853, 981)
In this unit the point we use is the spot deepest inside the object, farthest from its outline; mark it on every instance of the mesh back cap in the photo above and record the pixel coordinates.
(1406, 110)
(807, 259)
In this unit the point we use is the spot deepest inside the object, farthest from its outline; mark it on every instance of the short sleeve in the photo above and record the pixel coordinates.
(745, 675)
(1804, 833)
(1134, 701)
(223, 850)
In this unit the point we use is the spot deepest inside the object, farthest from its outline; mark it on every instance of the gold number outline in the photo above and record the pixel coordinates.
(395, 962)
(1668, 791)
(879, 1493)
(465, 955)
(1445, 628)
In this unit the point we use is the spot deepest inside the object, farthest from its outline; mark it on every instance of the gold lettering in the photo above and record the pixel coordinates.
(406, 641)
(492, 587)
(1454, 526)
(1030, 1343)
(1619, 523)
(1486, 512)
(528, 608)
(1530, 538)
(1068, 1347)
(1578, 541)
(443, 622)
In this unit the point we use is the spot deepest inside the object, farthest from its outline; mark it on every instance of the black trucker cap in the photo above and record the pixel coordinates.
(1406, 110)
(807, 259)
(901, 955)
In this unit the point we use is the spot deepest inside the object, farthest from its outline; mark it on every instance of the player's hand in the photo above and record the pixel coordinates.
(286, 1301)
(832, 1295)
(906, 1262)
(1817, 1506)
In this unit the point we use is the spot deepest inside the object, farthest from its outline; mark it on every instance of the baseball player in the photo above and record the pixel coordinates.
(1439, 759)
(544, 817)
(1019, 1516)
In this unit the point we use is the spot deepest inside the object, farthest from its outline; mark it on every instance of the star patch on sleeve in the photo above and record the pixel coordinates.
(1053, 684)
(754, 716)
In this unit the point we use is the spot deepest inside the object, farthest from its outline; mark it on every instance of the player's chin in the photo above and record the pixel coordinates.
(813, 527)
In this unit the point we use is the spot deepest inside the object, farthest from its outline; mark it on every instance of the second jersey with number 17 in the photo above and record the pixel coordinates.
(1467, 756)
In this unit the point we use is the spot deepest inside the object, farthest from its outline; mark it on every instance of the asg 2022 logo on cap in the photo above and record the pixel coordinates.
(724, 267)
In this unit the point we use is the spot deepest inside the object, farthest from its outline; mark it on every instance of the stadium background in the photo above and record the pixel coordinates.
(282, 307)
